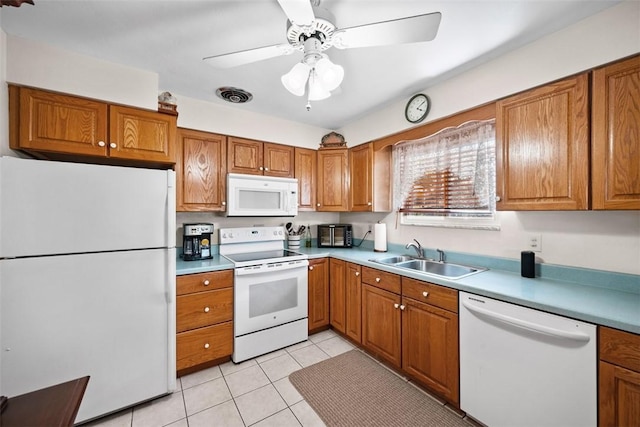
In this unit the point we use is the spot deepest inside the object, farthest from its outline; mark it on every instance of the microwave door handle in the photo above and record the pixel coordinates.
(332, 236)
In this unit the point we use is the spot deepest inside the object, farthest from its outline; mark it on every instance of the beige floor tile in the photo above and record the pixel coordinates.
(321, 336)
(283, 418)
(280, 367)
(200, 377)
(246, 380)
(306, 415)
(269, 356)
(159, 412)
(335, 346)
(180, 423)
(224, 415)
(119, 419)
(298, 346)
(259, 404)
(309, 355)
(230, 367)
(288, 392)
(206, 395)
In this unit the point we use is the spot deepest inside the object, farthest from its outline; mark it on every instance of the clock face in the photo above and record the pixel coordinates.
(417, 108)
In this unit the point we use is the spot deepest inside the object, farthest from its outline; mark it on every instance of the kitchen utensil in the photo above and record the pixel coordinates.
(289, 228)
(301, 230)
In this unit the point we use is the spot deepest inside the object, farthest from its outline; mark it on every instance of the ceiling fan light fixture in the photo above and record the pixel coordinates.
(317, 90)
(329, 74)
(296, 79)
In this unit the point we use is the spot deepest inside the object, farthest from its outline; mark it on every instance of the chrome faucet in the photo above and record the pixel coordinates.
(417, 246)
(440, 255)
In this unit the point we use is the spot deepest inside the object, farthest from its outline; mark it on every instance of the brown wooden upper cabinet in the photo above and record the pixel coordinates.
(542, 147)
(370, 179)
(615, 142)
(50, 124)
(333, 180)
(305, 171)
(201, 171)
(253, 157)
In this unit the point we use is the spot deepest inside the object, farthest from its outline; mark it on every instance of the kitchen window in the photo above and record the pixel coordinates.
(448, 179)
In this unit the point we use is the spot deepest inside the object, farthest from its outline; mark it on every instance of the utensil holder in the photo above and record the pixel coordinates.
(294, 242)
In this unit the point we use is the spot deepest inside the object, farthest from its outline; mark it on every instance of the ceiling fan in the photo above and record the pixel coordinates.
(310, 30)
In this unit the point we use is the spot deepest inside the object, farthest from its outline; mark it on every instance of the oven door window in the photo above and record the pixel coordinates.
(325, 236)
(272, 297)
(338, 236)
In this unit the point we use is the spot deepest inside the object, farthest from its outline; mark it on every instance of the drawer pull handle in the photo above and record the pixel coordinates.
(206, 309)
(113, 145)
(357, 273)
(311, 267)
(206, 282)
(402, 307)
(425, 294)
(377, 280)
(206, 345)
(396, 305)
(101, 144)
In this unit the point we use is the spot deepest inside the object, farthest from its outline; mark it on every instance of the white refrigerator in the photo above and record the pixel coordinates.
(87, 281)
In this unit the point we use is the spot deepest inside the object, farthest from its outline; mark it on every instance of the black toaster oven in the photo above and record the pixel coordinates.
(335, 236)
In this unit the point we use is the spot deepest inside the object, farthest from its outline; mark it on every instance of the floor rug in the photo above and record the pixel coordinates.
(353, 390)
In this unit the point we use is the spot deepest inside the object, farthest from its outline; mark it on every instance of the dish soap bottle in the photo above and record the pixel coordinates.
(307, 237)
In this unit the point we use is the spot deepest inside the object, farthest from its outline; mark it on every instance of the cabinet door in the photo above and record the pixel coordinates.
(542, 147)
(51, 122)
(203, 345)
(381, 323)
(615, 142)
(245, 156)
(337, 294)
(354, 302)
(203, 309)
(318, 293)
(361, 175)
(201, 171)
(278, 160)
(619, 395)
(136, 134)
(333, 180)
(430, 347)
(305, 171)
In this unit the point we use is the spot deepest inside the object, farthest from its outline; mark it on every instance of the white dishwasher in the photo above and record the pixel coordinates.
(523, 367)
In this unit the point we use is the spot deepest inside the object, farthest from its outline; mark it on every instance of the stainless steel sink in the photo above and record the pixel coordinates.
(394, 259)
(443, 269)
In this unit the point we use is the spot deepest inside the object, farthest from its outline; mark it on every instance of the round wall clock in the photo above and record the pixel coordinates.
(417, 108)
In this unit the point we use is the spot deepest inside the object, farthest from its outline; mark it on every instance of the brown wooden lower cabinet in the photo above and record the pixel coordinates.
(337, 294)
(381, 316)
(353, 305)
(318, 307)
(204, 344)
(619, 378)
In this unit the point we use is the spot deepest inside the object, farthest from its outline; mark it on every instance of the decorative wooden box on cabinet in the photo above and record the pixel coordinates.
(381, 314)
(370, 179)
(542, 147)
(318, 294)
(619, 378)
(204, 318)
(201, 171)
(53, 125)
(615, 142)
(430, 336)
(333, 180)
(306, 171)
(260, 158)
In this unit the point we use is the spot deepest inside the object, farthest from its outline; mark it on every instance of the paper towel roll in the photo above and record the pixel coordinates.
(380, 237)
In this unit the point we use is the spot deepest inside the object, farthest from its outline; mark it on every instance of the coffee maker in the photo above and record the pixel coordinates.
(196, 241)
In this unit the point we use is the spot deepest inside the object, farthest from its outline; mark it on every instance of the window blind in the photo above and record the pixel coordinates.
(451, 173)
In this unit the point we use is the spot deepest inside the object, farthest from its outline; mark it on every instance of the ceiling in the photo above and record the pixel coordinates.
(171, 38)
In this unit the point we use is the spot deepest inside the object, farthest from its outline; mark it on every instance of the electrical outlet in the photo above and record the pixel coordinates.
(535, 242)
(370, 228)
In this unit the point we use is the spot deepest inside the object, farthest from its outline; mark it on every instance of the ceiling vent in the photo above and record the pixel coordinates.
(234, 95)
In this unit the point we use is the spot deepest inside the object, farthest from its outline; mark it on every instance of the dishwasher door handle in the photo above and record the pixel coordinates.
(546, 330)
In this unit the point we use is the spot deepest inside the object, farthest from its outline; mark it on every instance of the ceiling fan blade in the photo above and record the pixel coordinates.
(299, 12)
(234, 59)
(420, 28)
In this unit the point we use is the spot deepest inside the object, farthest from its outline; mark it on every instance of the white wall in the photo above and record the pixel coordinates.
(600, 240)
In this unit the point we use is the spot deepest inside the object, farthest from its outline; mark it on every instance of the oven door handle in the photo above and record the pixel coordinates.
(270, 268)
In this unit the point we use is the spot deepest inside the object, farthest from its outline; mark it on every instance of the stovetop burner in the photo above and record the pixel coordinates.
(265, 256)
(249, 246)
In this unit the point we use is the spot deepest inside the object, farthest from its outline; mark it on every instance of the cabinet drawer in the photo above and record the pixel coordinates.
(204, 344)
(381, 279)
(191, 283)
(620, 348)
(203, 309)
(431, 294)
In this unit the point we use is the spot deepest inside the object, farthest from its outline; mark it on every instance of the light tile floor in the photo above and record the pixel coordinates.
(252, 393)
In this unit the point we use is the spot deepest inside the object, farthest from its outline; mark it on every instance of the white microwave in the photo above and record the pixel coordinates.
(257, 195)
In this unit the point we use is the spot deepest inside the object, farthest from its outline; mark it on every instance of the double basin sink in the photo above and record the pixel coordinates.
(445, 270)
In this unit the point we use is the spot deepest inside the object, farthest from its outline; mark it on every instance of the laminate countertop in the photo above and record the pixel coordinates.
(594, 296)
